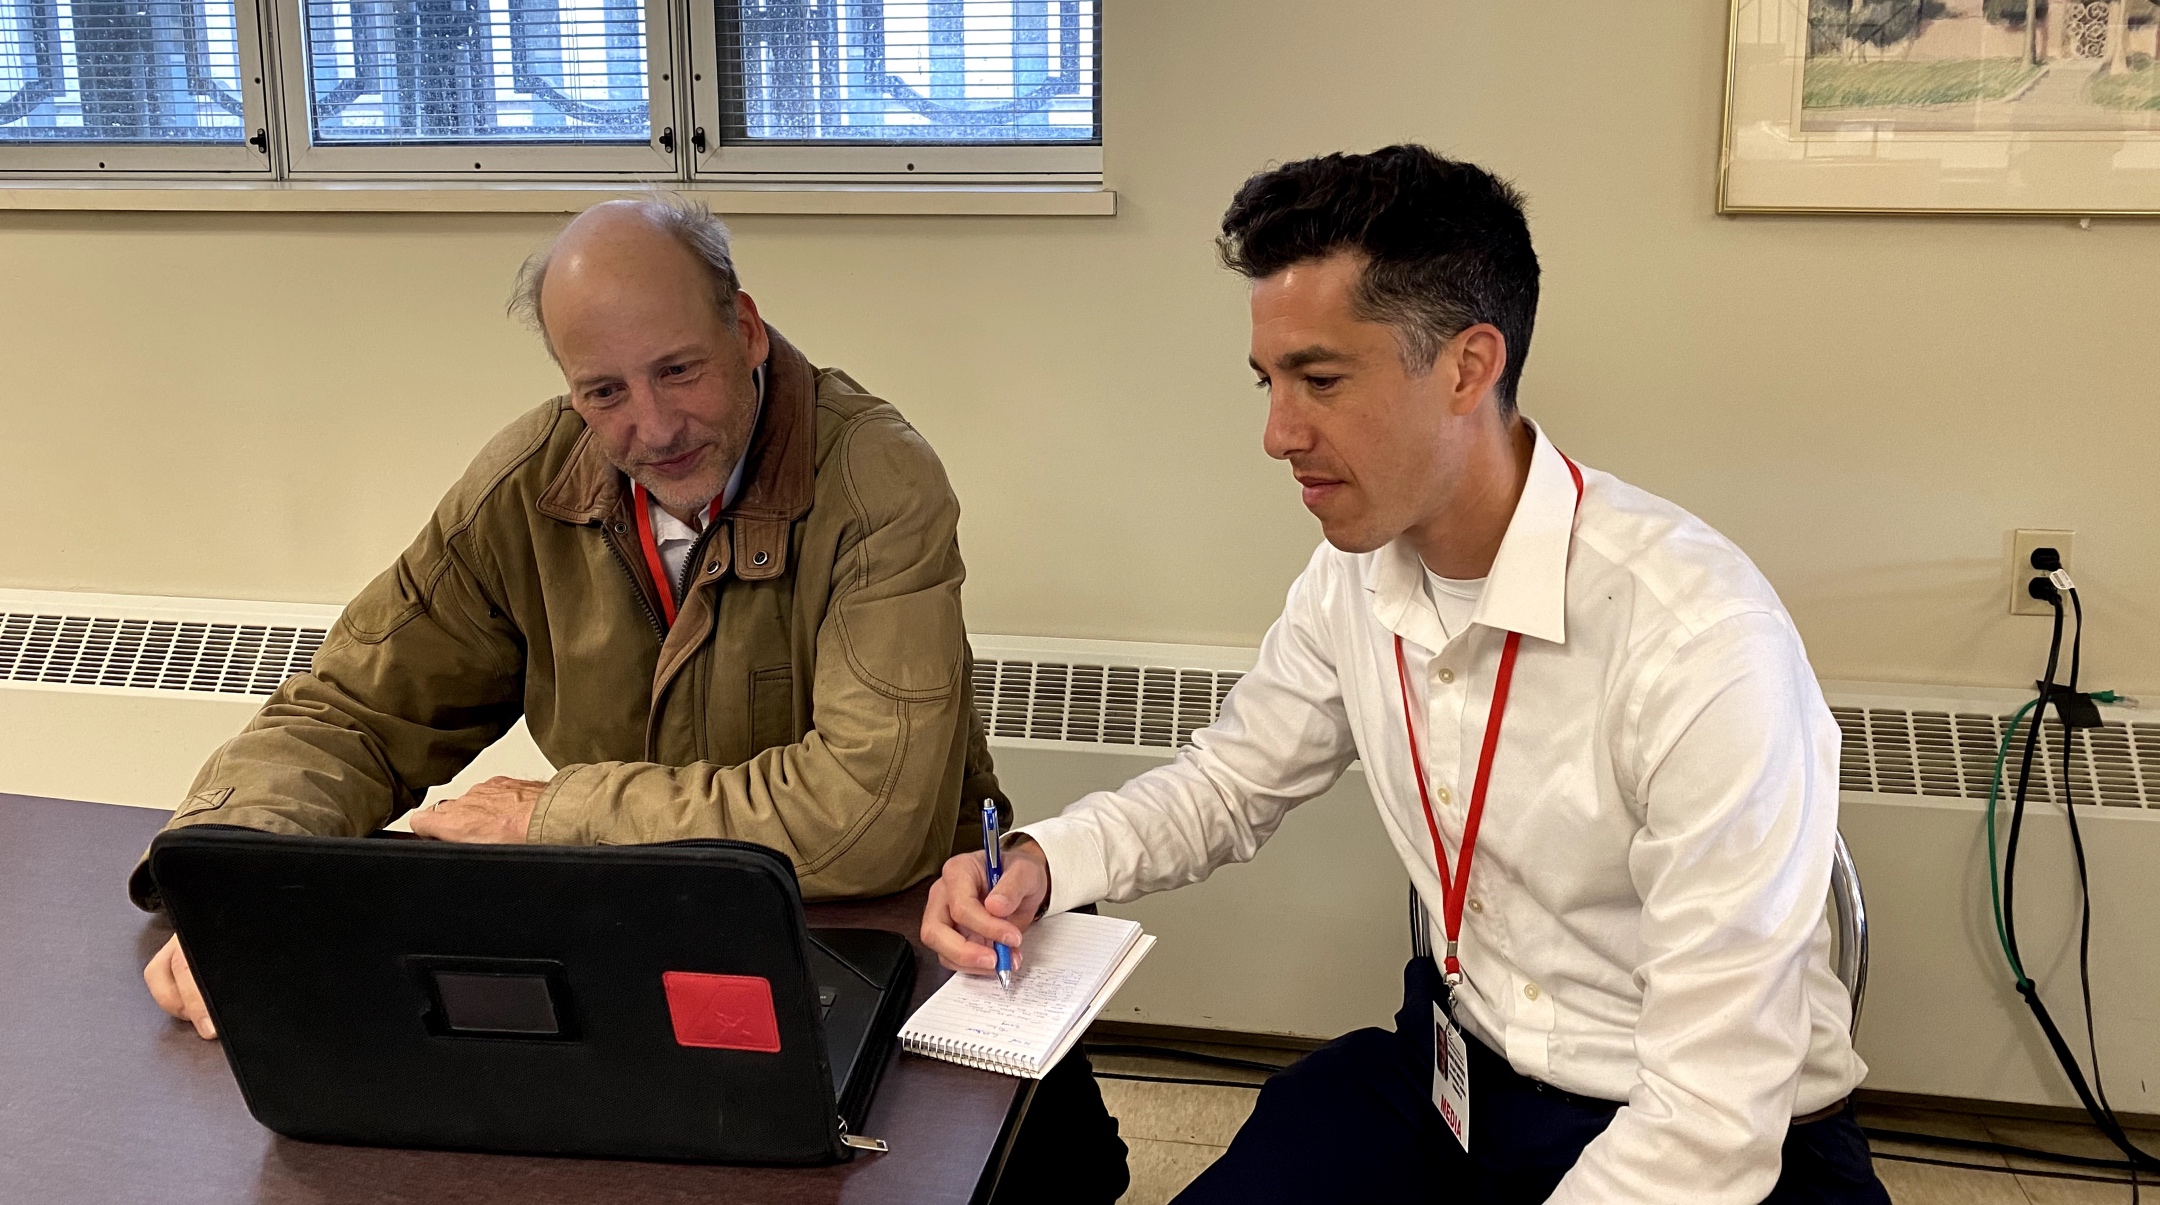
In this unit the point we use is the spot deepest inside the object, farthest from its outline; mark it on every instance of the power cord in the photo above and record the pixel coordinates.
(1133, 1050)
(2072, 711)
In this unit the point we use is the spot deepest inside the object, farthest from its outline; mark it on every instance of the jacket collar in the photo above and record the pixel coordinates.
(1526, 589)
(780, 465)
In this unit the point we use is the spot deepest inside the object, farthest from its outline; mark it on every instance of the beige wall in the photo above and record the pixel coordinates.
(266, 406)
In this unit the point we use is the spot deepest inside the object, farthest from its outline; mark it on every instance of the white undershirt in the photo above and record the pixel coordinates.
(1453, 599)
(675, 537)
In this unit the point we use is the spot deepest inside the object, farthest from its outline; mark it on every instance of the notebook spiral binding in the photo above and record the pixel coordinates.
(979, 1055)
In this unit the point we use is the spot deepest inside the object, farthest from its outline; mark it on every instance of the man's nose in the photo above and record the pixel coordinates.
(1287, 432)
(659, 425)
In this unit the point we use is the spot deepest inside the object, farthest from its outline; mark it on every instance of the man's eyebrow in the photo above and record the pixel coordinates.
(1318, 353)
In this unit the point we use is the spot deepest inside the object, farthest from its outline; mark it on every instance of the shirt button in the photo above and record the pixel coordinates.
(1530, 990)
(1447, 675)
(1446, 796)
(1477, 905)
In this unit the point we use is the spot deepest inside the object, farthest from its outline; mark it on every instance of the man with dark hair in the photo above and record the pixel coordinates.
(1587, 722)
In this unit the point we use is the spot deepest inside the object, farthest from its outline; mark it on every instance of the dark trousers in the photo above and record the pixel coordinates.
(1068, 1151)
(1354, 1121)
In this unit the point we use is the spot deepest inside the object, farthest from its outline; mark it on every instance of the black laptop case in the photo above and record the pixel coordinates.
(656, 1001)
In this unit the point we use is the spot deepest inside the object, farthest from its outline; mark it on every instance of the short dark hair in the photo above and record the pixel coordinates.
(1445, 243)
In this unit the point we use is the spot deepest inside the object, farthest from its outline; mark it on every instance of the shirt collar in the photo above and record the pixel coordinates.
(1526, 589)
(733, 489)
(666, 528)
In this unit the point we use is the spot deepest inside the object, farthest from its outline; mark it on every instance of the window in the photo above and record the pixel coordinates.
(523, 87)
(800, 89)
(927, 86)
(119, 85)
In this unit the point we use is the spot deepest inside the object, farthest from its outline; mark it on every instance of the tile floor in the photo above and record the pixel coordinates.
(1175, 1130)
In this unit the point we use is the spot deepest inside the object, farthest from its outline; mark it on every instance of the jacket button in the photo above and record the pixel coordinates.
(619, 528)
(713, 568)
(761, 557)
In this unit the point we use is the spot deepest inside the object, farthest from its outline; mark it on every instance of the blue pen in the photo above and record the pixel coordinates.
(990, 851)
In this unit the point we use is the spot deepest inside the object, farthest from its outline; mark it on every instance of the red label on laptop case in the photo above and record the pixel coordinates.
(722, 1012)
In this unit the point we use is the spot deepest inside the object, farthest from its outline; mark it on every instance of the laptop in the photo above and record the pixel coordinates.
(652, 1001)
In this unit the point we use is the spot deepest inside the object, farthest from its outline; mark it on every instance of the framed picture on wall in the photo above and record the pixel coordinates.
(1942, 106)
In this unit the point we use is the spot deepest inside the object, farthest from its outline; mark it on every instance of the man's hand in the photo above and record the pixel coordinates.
(497, 812)
(959, 924)
(172, 985)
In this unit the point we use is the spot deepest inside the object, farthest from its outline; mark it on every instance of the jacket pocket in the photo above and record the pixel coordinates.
(772, 708)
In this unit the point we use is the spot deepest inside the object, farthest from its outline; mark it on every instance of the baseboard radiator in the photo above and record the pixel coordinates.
(118, 699)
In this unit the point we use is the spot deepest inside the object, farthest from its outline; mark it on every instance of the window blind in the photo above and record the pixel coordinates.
(478, 71)
(965, 72)
(119, 71)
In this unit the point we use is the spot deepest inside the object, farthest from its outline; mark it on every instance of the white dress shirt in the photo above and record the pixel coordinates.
(1645, 919)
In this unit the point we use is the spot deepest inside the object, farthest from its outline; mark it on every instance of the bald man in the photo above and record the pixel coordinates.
(722, 587)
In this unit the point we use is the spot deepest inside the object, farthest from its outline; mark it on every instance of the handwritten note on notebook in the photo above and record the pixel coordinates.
(1072, 964)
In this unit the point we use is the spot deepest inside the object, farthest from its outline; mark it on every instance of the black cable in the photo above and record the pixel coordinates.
(2017, 799)
(2077, 847)
(2000, 1170)
(1996, 1148)
(1131, 1050)
(2103, 1116)
(2077, 854)
(1174, 1079)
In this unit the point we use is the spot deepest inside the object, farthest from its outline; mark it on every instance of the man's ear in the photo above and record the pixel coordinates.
(752, 330)
(1478, 356)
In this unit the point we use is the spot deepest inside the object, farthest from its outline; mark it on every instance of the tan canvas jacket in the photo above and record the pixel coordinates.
(813, 694)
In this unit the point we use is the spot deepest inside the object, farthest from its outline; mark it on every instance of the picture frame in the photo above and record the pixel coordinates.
(1942, 107)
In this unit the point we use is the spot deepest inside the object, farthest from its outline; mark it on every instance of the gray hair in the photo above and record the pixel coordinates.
(688, 221)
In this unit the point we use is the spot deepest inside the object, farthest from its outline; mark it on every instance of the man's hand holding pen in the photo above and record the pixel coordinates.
(966, 917)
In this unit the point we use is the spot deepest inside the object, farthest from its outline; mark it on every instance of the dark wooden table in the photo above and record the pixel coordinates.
(105, 1099)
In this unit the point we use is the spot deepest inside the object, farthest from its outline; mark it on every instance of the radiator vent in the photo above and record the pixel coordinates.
(152, 654)
(1886, 750)
(1157, 706)
(1092, 692)
(1894, 751)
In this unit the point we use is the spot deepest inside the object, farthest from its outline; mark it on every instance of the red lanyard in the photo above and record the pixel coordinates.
(1455, 887)
(653, 559)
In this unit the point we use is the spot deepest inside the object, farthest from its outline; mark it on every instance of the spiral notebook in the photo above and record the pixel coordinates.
(1074, 963)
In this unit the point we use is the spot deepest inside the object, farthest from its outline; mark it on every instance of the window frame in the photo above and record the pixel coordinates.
(246, 159)
(308, 160)
(714, 158)
(681, 36)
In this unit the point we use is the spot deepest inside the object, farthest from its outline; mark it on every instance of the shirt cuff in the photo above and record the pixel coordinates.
(1078, 876)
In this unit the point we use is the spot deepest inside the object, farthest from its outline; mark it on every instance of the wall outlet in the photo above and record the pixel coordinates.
(2022, 543)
